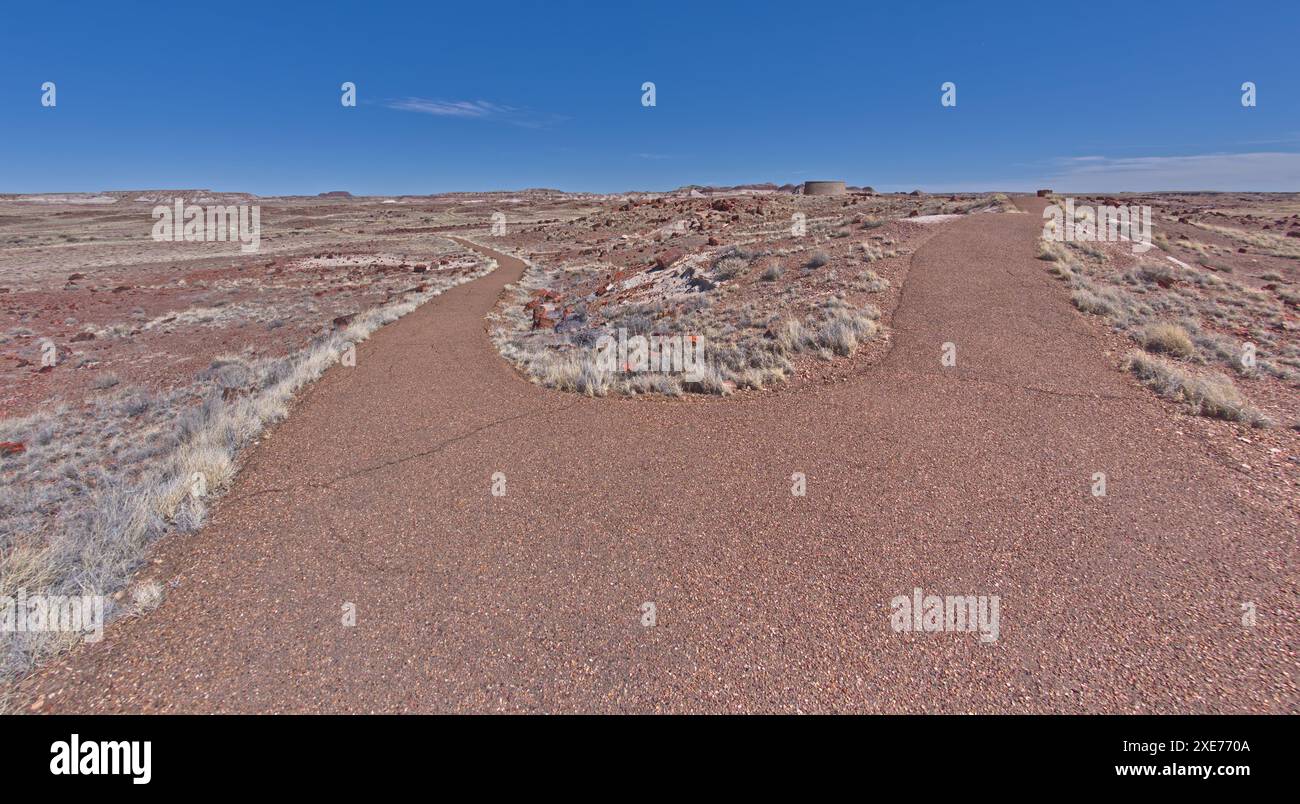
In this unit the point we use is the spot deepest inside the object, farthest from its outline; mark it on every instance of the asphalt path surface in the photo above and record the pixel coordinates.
(973, 479)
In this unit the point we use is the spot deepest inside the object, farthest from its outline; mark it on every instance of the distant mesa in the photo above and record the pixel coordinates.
(335, 194)
(824, 188)
(1044, 193)
(191, 196)
(702, 190)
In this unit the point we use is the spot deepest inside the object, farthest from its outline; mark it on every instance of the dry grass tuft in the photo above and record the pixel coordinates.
(1167, 338)
(871, 282)
(1211, 395)
(844, 329)
(1090, 302)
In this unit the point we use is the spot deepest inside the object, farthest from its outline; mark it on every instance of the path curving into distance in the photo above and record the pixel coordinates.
(967, 480)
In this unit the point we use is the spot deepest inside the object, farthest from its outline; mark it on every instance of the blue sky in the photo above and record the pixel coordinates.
(497, 95)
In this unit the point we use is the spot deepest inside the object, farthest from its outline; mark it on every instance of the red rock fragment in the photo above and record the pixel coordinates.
(666, 259)
(540, 319)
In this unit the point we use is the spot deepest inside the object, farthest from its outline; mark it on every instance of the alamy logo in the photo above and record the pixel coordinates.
(193, 223)
(668, 354)
(53, 613)
(73, 757)
(937, 613)
(1089, 224)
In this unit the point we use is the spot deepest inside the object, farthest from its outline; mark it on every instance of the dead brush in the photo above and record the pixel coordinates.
(871, 282)
(1090, 302)
(1211, 395)
(844, 330)
(730, 268)
(1168, 339)
(1052, 251)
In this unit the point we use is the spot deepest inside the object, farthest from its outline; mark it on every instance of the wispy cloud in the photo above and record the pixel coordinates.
(1262, 171)
(474, 109)
(439, 108)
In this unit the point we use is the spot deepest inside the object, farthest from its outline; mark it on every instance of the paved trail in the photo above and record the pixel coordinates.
(966, 480)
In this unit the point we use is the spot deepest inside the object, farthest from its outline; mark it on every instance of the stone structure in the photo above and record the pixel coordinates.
(824, 188)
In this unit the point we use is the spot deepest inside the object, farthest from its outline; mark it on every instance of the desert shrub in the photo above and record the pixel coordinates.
(591, 380)
(772, 273)
(1156, 273)
(730, 267)
(872, 282)
(711, 381)
(818, 259)
(1211, 395)
(1090, 249)
(134, 404)
(791, 336)
(839, 335)
(637, 319)
(843, 328)
(1090, 302)
(1047, 252)
(1167, 338)
(585, 338)
(1061, 271)
(739, 252)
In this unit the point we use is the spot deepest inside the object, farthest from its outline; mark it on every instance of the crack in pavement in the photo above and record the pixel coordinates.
(329, 485)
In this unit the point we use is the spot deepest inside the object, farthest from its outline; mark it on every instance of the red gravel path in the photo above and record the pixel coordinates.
(966, 480)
